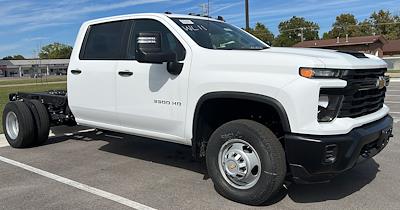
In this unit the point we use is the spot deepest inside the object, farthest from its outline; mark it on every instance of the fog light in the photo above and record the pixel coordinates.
(323, 101)
(328, 107)
(330, 154)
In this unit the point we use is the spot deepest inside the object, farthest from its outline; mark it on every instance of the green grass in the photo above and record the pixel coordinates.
(4, 91)
(5, 81)
(393, 71)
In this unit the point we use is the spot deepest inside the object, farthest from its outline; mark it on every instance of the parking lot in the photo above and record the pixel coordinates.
(92, 170)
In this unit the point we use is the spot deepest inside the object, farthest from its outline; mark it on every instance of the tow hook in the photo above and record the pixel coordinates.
(373, 148)
(366, 154)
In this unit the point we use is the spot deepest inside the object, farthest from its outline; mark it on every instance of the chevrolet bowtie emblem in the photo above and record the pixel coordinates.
(380, 82)
(232, 166)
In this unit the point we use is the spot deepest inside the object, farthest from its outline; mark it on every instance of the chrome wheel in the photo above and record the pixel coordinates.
(239, 164)
(12, 125)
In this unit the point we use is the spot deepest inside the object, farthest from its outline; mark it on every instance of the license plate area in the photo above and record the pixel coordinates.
(373, 148)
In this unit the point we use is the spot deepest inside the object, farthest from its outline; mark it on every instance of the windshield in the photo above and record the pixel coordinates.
(218, 35)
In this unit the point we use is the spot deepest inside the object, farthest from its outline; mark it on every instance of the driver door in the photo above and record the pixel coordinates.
(150, 101)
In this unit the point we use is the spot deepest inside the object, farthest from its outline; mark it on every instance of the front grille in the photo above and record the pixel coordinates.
(361, 96)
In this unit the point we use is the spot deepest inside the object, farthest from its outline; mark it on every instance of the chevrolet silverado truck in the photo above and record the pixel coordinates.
(258, 115)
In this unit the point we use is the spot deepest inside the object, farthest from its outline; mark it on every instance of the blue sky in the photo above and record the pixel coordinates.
(25, 25)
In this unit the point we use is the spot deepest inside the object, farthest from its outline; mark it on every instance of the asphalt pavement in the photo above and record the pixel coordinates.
(92, 170)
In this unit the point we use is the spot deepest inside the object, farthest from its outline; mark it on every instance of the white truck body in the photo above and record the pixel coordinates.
(127, 104)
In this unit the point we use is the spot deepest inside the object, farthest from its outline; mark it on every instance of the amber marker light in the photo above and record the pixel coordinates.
(307, 72)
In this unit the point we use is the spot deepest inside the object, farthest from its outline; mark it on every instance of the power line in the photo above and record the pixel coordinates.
(346, 26)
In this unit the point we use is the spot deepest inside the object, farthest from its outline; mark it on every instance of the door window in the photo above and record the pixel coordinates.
(106, 41)
(168, 43)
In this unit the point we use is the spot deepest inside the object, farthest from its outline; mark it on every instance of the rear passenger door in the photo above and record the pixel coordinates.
(150, 100)
(92, 78)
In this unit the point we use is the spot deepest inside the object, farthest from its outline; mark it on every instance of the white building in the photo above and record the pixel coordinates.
(33, 68)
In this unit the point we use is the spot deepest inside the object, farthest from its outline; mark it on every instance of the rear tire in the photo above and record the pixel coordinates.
(18, 125)
(42, 121)
(246, 162)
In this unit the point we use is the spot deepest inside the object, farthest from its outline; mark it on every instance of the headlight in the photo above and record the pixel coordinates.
(328, 107)
(329, 102)
(320, 73)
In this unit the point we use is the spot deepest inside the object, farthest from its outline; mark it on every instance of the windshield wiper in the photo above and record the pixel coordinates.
(242, 48)
(251, 48)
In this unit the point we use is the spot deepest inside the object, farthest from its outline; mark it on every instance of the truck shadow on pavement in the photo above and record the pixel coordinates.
(340, 187)
(161, 152)
(179, 156)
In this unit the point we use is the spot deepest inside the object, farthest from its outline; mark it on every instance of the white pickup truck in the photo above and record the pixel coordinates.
(257, 114)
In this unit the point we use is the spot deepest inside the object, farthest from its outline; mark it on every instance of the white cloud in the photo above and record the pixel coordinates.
(117, 5)
(214, 9)
(35, 26)
(38, 38)
(19, 17)
(8, 47)
(26, 16)
(309, 9)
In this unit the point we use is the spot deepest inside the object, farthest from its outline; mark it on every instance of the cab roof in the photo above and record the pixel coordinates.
(162, 15)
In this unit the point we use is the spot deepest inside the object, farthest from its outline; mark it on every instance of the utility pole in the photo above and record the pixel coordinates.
(302, 34)
(247, 15)
(205, 9)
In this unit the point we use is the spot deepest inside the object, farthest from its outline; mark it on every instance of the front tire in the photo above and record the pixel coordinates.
(18, 124)
(246, 162)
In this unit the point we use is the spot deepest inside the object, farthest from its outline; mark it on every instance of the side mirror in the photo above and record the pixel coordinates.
(149, 49)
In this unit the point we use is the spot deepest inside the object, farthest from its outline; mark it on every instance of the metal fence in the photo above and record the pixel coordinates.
(393, 62)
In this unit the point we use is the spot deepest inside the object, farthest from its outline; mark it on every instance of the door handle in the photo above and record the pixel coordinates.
(125, 73)
(76, 71)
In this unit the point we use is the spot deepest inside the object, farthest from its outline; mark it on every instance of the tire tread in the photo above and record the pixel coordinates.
(42, 121)
(266, 140)
(27, 131)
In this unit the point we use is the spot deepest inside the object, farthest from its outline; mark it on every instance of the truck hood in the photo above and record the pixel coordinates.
(332, 58)
(279, 61)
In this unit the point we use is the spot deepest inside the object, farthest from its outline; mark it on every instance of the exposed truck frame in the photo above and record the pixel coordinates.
(56, 102)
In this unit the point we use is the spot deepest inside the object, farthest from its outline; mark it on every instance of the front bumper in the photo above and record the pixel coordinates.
(314, 159)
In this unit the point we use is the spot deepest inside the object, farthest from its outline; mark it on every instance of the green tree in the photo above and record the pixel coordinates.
(385, 24)
(366, 28)
(14, 57)
(326, 35)
(262, 32)
(55, 51)
(345, 24)
(397, 21)
(292, 31)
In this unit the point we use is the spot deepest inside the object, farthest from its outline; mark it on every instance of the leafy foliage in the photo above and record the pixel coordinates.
(291, 30)
(365, 28)
(262, 32)
(14, 57)
(379, 23)
(55, 51)
(344, 24)
(384, 24)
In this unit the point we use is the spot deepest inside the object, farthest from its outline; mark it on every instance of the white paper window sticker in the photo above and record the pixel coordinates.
(228, 29)
(186, 22)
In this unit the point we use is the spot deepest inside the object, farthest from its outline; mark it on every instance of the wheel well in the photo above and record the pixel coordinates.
(215, 109)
